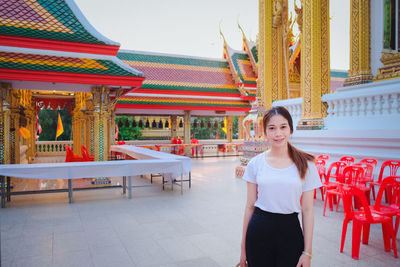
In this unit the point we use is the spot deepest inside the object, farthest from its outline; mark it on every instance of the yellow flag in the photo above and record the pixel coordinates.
(25, 133)
(60, 128)
(224, 128)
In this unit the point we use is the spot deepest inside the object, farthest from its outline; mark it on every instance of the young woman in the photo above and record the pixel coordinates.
(280, 184)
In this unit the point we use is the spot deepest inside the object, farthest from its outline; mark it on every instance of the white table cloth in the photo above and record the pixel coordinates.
(91, 169)
(144, 153)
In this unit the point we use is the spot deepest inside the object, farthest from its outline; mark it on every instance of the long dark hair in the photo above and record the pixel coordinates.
(299, 157)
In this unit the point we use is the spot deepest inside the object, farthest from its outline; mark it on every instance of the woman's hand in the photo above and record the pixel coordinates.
(304, 261)
(242, 262)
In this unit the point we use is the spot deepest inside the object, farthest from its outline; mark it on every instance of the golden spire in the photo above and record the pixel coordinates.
(240, 28)
(220, 32)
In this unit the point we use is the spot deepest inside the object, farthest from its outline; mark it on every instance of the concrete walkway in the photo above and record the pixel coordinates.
(202, 228)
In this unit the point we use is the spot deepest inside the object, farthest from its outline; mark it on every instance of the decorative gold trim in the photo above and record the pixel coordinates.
(360, 41)
(315, 66)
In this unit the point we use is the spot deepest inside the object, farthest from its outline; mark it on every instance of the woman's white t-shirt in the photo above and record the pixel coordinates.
(280, 190)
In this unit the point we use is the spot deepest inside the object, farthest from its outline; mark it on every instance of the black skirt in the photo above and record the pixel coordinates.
(273, 239)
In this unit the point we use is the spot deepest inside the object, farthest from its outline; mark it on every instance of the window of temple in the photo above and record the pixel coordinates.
(391, 25)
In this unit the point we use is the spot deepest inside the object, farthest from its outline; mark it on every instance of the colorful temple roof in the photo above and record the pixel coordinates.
(67, 67)
(242, 66)
(251, 50)
(242, 71)
(178, 82)
(48, 24)
(51, 41)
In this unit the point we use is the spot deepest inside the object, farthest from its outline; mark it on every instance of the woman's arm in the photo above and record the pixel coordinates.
(248, 212)
(307, 211)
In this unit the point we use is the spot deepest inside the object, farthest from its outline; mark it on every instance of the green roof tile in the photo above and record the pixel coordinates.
(131, 56)
(60, 64)
(238, 56)
(57, 21)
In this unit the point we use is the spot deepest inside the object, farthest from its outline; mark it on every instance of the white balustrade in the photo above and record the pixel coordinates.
(51, 148)
(367, 106)
(54, 151)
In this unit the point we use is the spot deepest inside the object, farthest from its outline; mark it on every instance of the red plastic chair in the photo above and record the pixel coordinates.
(321, 167)
(348, 159)
(391, 183)
(196, 149)
(363, 219)
(324, 157)
(118, 155)
(354, 175)
(351, 176)
(393, 166)
(85, 154)
(180, 148)
(70, 156)
(335, 171)
(368, 171)
(374, 163)
(370, 161)
(174, 150)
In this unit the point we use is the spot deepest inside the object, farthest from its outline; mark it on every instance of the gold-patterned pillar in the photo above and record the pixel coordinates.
(229, 131)
(110, 128)
(279, 49)
(101, 102)
(77, 131)
(315, 66)
(5, 125)
(14, 127)
(265, 52)
(173, 126)
(84, 132)
(31, 121)
(112, 137)
(186, 127)
(90, 132)
(240, 127)
(273, 50)
(229, 128)
(360, 43)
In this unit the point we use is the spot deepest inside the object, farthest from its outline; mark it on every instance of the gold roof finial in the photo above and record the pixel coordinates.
(241, 29)
(220, 32)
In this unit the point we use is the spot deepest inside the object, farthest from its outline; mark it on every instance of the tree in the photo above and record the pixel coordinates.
(235, 127)
(48, 119)
(126, 131)
(211, 133)
(207, 132)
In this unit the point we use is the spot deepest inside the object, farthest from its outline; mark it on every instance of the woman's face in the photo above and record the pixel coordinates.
(278, 131)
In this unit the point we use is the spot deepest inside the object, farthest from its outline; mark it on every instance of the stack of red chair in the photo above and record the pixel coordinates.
(70, 156)
(362, 220)
(85, 154)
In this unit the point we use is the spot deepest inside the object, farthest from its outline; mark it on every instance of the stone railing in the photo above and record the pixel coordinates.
(211, 148)
(368, 106)
(51, 148)
(293, 105)
(149, 133)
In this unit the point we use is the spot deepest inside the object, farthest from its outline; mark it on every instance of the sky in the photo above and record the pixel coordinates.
(191, 27)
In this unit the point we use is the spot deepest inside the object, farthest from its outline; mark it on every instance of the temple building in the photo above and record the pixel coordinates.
(358, 119)
(50, 55)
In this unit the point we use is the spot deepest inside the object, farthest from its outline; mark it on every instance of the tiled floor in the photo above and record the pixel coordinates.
(200, 228)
